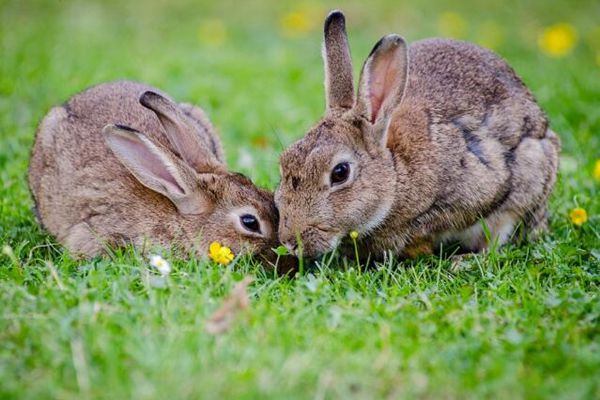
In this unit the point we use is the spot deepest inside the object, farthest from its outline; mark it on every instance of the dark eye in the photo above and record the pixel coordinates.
(250, 222)
(340, 173)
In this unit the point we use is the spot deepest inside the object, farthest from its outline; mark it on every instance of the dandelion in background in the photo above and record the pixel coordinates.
(160, 264)
(212, 32)
(220, 254)
(260, 141)
(578, 216)
(597, 170)
(452, 24)
(297, 23)
(558, 40)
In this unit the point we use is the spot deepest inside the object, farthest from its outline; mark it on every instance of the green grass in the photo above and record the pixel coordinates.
(521, 322)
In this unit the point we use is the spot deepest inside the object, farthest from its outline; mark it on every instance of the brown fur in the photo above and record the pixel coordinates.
(338, 73)
(465, 141)
(88, 199)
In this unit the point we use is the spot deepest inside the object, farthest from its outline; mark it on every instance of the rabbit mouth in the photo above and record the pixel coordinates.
(317, 241)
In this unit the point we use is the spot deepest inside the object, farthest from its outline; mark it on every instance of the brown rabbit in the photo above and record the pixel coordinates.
(120, 163)
(441, 136)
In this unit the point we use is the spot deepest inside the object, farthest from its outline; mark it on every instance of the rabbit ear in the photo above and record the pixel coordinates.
(339, 85)
(383, 80)
(157, 169)
(182, 133)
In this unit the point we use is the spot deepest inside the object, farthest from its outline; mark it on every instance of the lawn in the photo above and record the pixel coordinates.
(518, 322)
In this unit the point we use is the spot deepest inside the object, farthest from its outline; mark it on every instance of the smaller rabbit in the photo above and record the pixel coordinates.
(122, 163)
(442, 136)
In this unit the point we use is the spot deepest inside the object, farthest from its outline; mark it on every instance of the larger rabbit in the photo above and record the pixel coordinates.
(442, 140)
(121, 163)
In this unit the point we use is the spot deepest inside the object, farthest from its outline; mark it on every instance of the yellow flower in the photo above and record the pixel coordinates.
(296, 23)
(220, 254)
(452, 24)
(354, 235)
(578, 216)
(597, 170)
(558, 40)
(212, 32)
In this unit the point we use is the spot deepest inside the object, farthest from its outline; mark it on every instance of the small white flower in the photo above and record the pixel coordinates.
(7, 251)
(245, 159)
(160, 264)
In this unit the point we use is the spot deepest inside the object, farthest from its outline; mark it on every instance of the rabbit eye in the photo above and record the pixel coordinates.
(340, 173)
(250, 222)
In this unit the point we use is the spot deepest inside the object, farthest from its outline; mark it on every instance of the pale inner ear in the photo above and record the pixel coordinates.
(145, 163)
(384, 76)
(157, 168)
(383, 80)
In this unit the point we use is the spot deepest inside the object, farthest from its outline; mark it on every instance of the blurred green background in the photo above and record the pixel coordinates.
(523, 323)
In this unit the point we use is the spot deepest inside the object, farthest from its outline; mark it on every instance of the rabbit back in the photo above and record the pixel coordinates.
(467, 112)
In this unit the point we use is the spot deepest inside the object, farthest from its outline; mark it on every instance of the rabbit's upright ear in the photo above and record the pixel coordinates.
(193, 147)
(382, 82)
(157, 169)
(339, 85)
